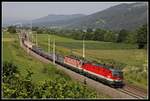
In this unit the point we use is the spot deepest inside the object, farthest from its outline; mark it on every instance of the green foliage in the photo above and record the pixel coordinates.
(109, 36)
(28, 77)
(23, 87)
(142, 36)
(99, 35)
(35, 28)
(9, 70)
(136, 74)
(59, 88)
(11, 29)
(122, 35)
(15, 85)
(54, 72)
(131, 38)
(39, 31)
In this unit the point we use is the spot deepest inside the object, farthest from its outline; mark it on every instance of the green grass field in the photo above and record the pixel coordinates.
(12, 51)
(135, 60)
(126, 53)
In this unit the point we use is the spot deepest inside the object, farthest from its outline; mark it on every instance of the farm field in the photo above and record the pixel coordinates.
(133, 61)
(12, 51)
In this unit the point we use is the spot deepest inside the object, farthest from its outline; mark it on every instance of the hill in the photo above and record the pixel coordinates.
(123, 16)
(55, 20)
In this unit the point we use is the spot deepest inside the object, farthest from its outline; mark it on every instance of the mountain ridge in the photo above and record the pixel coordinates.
(122, 16)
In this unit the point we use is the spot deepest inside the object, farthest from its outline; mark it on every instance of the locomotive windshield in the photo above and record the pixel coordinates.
(117, 73)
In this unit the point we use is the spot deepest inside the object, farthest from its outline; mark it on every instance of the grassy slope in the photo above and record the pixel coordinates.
(12, 52)
(126, 53)
(120, 52)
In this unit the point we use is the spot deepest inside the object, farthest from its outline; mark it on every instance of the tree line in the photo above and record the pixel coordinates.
(139, 36)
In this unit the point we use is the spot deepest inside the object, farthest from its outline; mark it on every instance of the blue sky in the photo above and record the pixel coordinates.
(33, 10)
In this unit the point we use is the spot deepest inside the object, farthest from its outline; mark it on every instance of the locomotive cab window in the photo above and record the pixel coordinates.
(118, 73)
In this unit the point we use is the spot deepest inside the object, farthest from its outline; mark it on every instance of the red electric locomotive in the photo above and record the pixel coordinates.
(99, 72)
(104, 73)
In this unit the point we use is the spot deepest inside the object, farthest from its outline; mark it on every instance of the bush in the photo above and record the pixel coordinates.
(12, 29)
(44, 70)
(23, 87)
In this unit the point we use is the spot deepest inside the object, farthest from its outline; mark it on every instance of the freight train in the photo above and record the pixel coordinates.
(100, 72)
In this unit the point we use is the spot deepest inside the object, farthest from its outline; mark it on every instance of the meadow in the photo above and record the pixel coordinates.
(41, 72)
(132, 61)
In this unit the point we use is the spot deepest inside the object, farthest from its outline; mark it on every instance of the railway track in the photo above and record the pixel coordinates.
(133, 94)
(134, 91)
(125, 92)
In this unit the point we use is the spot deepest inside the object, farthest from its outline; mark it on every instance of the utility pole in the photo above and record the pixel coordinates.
(83, 44)
(54, 51)
(48, 43)
(28, 41)
(20, 36)
(31, 32)
(32, 38)
(83, 48)
(36, 40)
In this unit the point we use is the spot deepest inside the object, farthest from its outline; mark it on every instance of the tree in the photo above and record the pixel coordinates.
(109, 36)
(131, 38)
(142, 36)
(122, 35)
(89, 30)
(12, 29)
(88, 35)
(9, 71)
(39, 31)
(35, 28)
(99, 34)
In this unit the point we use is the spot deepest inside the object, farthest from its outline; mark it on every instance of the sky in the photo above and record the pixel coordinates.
(33, 10)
